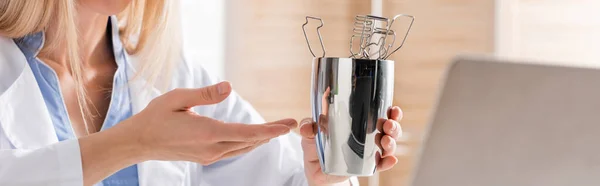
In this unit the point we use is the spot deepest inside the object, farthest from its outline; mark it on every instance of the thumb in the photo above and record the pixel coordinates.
(186, 98)
(307, 128)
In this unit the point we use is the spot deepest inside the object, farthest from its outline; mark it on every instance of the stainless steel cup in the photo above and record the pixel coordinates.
(350, 97)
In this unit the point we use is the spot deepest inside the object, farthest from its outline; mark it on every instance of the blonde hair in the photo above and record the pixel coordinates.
(149, 31)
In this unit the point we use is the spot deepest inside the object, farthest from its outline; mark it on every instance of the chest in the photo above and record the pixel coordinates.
(98, 94)
(85, 116)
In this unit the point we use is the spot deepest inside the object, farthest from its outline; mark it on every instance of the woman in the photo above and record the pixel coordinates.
(81, 103)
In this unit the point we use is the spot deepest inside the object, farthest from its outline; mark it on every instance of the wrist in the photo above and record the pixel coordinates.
(129, 141)
(106, 152)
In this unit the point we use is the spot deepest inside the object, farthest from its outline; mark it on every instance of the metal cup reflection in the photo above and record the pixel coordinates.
(350, 98)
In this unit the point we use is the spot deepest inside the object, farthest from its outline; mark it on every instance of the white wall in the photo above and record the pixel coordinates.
(553, 31)
(203, 33)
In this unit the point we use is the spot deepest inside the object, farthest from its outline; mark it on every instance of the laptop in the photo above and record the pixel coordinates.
(505, 123)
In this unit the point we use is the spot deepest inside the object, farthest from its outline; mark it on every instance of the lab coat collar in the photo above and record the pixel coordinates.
(26, 121)
(23, 114)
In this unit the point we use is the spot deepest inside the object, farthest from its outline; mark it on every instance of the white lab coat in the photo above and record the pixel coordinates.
(30, 153)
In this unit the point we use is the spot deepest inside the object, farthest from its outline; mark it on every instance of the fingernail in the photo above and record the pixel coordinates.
(394, 126)
(304, 122)
(391, 145)
(222, 88)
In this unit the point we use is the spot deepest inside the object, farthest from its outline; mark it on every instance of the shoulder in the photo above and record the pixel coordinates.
(12, 62)
(189, 73)
(186, 72)
(9, 52)
(5, 41)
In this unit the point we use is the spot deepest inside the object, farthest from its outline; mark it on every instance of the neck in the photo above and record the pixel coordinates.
(94, 44)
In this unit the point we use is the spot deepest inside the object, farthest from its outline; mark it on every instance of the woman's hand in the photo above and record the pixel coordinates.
(168, 130)
(391, 132)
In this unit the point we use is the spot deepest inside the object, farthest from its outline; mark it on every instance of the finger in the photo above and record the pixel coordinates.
(389, 146)
(244, 150)
(392, 128)
(387, 163)
(307, 128)
(395, 113)
(378, 137)
(379, 124)
(186, 98)
(291, 123)
(252, 132)
(228, 146)
(309, 148)
(325, 101)
(322, 124)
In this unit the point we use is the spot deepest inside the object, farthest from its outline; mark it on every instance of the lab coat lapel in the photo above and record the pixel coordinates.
(23, 114)
(153, 172)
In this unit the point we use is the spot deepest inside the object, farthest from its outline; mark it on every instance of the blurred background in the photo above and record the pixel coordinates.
(258, 45)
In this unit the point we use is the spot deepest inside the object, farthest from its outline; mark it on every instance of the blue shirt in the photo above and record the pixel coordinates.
(119, 107)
